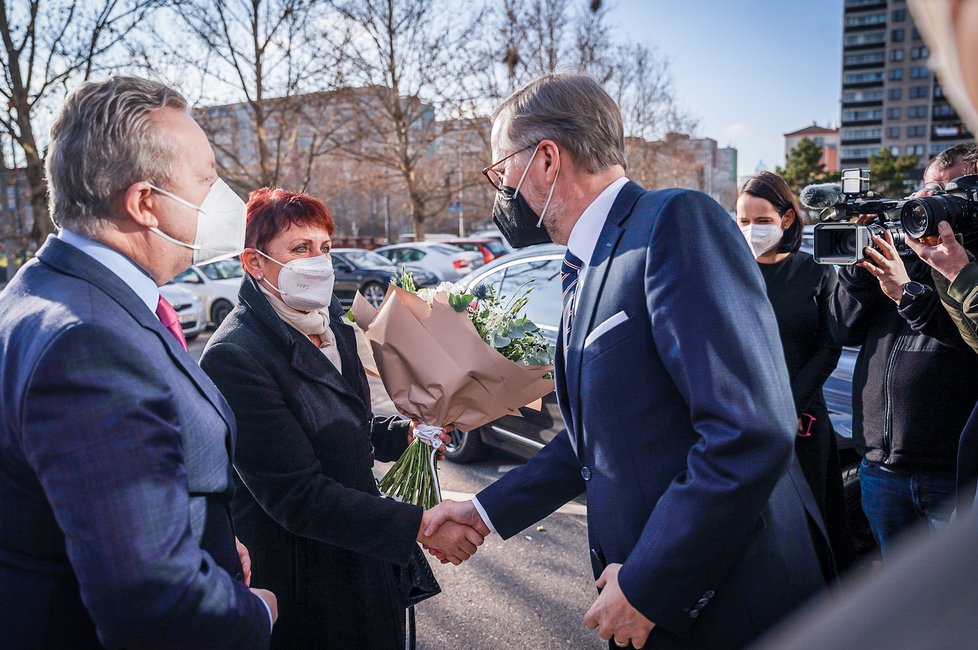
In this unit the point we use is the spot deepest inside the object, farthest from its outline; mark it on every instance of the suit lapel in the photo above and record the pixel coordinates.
(590, 291)
(70, 260)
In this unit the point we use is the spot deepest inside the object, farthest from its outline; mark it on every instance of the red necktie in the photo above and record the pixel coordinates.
(168, 316)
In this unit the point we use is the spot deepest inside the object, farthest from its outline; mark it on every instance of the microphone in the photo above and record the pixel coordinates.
(822, 195)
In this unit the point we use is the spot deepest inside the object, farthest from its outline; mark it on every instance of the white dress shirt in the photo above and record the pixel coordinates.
(581, 242)
(123, 267)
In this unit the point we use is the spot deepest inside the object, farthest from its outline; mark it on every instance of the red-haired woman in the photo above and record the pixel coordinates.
(320, 536)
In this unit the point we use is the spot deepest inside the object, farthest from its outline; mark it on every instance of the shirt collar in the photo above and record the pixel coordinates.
(584, 235)
(127, 270)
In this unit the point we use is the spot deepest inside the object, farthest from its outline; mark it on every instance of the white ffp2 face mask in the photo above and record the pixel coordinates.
(220, 224)
(762, 237)
(305, 284)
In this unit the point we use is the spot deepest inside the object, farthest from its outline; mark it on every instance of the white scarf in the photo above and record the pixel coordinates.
(311, 323)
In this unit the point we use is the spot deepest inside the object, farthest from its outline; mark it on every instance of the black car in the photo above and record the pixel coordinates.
(358, 269)
(524, 436)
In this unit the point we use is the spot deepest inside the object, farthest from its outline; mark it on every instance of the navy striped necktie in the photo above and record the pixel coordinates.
(569, 270)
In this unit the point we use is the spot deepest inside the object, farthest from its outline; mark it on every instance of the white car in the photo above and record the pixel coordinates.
(216, 285)
(447, 262)
(189, 309)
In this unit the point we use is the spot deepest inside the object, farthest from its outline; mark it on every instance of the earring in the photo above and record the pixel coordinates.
(260, 277)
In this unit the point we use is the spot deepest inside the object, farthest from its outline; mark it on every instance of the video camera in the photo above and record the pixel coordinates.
(839, 240)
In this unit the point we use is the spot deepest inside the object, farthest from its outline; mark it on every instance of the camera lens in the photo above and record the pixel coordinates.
(917, 217)
(845, 243)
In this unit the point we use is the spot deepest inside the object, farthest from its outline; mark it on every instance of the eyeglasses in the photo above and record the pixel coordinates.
(495, 178)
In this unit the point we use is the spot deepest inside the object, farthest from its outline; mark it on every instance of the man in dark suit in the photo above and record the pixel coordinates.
(114, 445)
(672, 385)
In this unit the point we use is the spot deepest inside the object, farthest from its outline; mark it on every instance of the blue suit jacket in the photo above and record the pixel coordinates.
(680, 427)
(114, 473)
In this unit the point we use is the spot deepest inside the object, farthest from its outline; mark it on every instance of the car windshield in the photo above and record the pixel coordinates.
(368, 259)
(223, 270)
(495, 246)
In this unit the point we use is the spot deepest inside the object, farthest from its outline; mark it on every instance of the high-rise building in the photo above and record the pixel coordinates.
(890, 98)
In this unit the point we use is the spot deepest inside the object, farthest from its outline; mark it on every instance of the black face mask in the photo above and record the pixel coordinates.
(517, 221)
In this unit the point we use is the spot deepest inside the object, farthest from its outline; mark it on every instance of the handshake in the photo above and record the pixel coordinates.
(452, 531)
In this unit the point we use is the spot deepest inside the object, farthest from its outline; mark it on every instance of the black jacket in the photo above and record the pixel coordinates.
(320, 537)
(914, 383)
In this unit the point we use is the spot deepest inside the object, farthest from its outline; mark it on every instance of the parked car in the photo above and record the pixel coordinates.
(216, 284)
(495, 235)
(490, 249)
(524, 436)
(447, 262)
(365, 271)
(189, 308)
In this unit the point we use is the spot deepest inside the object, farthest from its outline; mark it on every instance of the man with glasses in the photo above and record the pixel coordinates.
(671, 382)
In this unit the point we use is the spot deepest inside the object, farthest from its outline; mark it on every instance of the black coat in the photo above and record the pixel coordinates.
(320, 536)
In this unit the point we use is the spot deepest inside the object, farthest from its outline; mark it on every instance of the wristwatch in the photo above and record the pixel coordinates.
(911, 291)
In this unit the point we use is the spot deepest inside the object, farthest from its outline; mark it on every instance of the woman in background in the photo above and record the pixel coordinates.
(800, 291)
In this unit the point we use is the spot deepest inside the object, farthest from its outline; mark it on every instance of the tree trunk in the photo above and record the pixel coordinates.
(43, 226)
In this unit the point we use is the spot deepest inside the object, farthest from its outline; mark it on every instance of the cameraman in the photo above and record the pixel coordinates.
(913, 389)
(955, 272)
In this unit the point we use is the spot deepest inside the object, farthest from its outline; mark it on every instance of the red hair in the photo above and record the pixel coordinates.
(272, 210)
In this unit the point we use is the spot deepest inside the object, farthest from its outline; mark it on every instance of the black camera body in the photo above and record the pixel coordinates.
(839, 240)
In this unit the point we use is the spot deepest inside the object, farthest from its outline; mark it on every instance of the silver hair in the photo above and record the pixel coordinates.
(574, 111)
(103, 141)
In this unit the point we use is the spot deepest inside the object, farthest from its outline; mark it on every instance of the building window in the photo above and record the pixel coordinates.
(872, 38)
(916, 131)
(872, 133)
(859, 152)
(916, 111)
(919, 72)
(858, 59)
(893, 132)
(863, 77)
(915, 149)
(866, 19)
(917, 92)
(896, 55)
(852, 96)
(895, 94)
(944, 110)
(898, 35)
(919, 52)
(915, 35)
(896, 74)
(899, 15)
(861, 116)
(893, 113)
(895, 150)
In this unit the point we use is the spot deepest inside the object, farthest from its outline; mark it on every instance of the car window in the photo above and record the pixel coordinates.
(496, 247)
(223, 270)
(542, 278)
(468, 247)
(187, 276)
(369, 259)
(411, 255)
(340, 264)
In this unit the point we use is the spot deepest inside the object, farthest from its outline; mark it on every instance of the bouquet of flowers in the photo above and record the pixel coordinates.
(448, 357)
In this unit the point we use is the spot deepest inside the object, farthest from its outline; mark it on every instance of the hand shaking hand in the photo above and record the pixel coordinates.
(613, 617)
(452, 531)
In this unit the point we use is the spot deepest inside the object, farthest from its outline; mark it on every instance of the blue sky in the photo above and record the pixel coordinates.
(749, 70)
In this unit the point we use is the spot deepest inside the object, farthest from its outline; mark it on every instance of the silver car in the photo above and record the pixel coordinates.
(447, 262)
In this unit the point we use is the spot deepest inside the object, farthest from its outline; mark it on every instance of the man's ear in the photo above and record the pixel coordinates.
(138, 201)
(550, 153)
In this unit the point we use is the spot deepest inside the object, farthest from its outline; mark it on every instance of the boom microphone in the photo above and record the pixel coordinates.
(822, 195)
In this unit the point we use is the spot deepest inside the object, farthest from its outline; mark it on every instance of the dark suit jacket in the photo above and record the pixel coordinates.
(320, 536)
(680, 427)
(114, 473)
